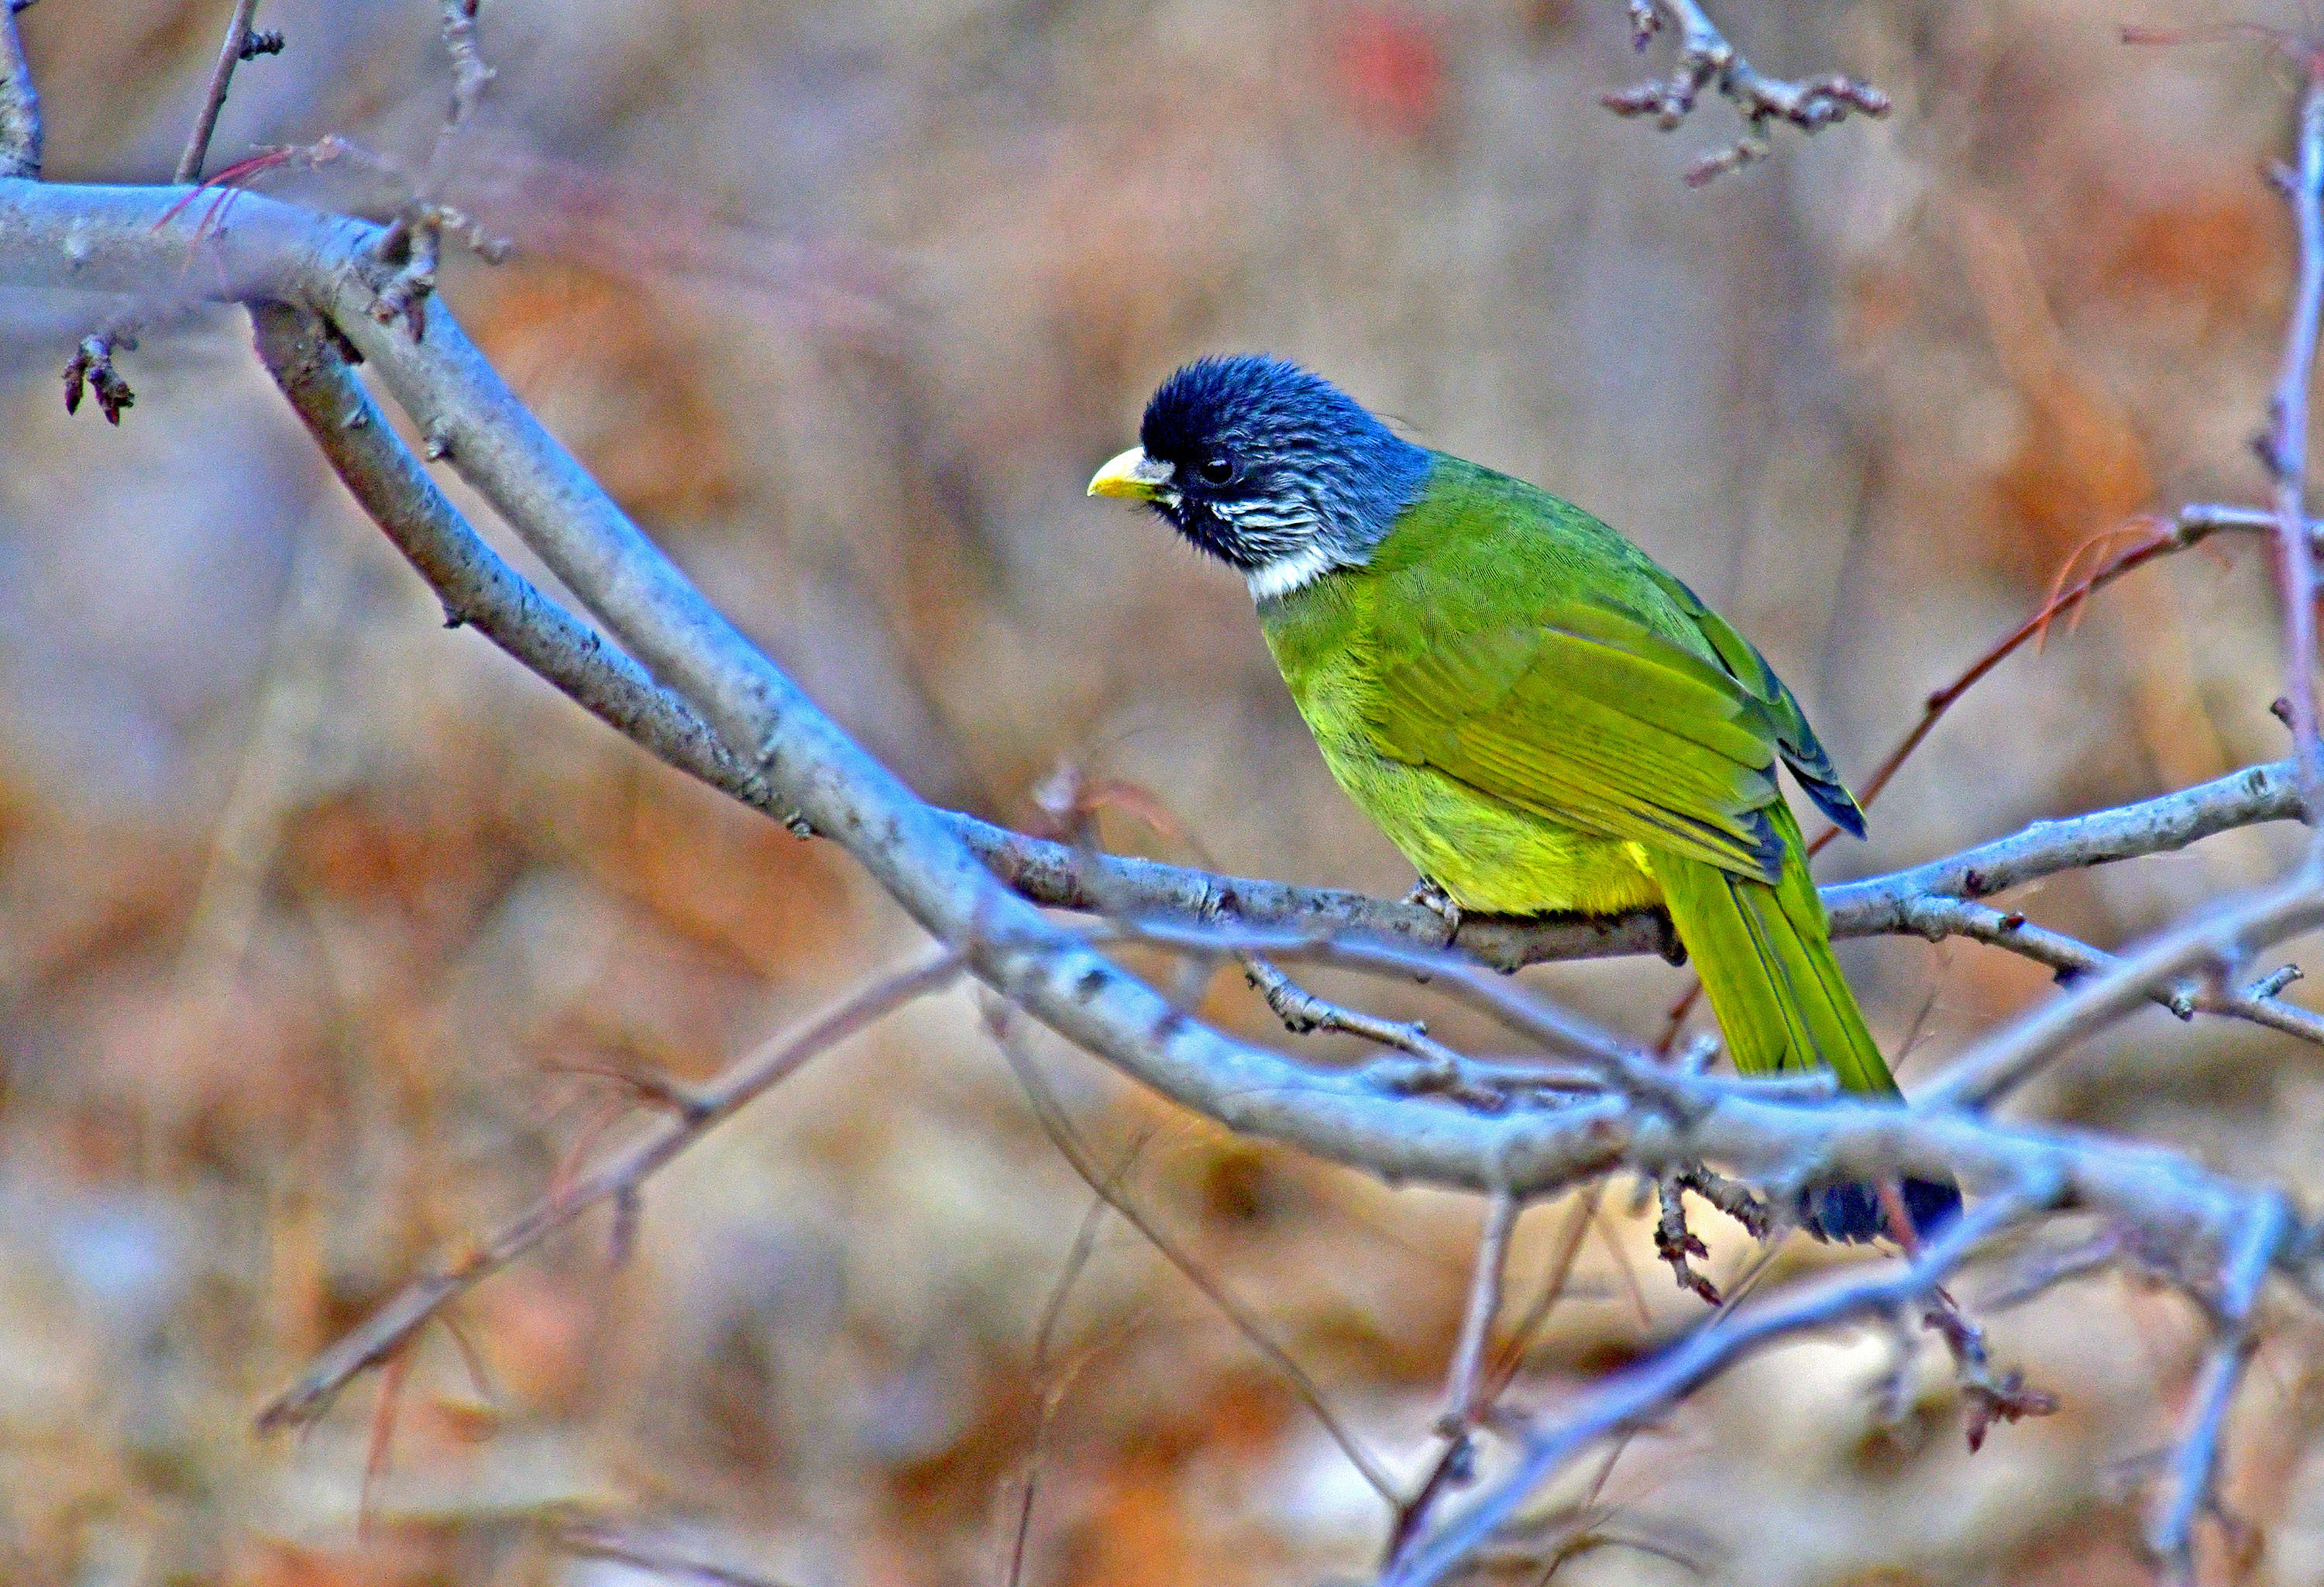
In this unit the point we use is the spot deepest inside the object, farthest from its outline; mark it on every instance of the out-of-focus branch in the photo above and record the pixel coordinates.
(470, 75)
(2195, 1463)
(1463, 1402)
(232, 53)
(1050, 1113)
(692, 1115)
(19, 104)
(1705, 60)
(2285, 447)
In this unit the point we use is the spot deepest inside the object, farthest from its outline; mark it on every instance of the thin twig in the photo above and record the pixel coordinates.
(1466, 1375)
(2187, 527)
(2219, 938)
(1436, 1070)
(232, 53)
(383, 1335)
(1939, 917)
(1455, 1463)
(1563, 1250)
(470, 75)
(1078, 1256)
(2047, 1270)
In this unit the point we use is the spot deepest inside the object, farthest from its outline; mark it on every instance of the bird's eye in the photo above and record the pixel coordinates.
(1217, 470)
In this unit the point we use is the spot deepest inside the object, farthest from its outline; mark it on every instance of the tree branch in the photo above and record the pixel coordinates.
(2217, 940)
(20, 105)
(1938, 918)
(2285, 447)
(1706, 60)
(2194, 1467)
(232, 53)
(1635, 1398)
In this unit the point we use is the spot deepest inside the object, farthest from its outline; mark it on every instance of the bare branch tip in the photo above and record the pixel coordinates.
(90, 368)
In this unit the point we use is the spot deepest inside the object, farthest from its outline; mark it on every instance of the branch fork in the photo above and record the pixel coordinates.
(1706, 60)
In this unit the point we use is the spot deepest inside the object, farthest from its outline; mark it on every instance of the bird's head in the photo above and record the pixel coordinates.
(1276, 472)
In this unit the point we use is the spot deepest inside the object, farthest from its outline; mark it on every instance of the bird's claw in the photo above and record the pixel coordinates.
(1433, 898)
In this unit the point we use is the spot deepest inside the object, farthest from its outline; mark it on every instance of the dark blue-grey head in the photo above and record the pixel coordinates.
(1273, 470)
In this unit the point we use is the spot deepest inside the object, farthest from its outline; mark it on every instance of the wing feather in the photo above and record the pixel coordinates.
(1590, 717)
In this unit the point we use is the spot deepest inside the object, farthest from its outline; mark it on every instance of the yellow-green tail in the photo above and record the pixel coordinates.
(1763, 951)
(1764, 956)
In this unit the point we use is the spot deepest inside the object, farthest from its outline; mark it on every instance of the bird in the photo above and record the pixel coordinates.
(1538, 715)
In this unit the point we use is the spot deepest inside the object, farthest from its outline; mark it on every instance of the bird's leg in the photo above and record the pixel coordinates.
(1431, 896)
(1674, 1242)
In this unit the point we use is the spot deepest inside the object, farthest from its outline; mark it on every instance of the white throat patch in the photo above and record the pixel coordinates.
(1285, 574)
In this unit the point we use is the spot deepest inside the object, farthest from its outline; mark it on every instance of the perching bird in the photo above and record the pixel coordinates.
(1536, 714)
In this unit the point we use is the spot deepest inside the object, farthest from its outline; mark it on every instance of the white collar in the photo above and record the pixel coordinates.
(1275, 580)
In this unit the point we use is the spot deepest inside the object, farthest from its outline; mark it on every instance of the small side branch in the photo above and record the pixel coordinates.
(1706, 60)
(2215, 942)
(1940, 918)
(1462, 1402)
(2190, 526)
(470, 75)
(1002, 1020)
(238, 46)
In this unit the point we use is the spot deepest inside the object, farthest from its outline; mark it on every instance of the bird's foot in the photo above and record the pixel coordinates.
(1433, 898)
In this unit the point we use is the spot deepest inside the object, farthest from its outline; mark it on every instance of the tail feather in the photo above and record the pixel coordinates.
(1764, 956)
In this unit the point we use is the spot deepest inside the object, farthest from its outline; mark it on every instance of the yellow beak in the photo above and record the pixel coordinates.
(1133, 475)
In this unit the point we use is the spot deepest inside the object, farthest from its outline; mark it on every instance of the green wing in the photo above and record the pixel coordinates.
(1802, 752)
(1590, 717)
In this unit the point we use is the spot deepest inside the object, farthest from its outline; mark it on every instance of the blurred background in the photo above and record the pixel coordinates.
(319, 926)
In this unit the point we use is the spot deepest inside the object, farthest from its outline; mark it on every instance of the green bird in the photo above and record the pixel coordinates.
(1537, 714)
